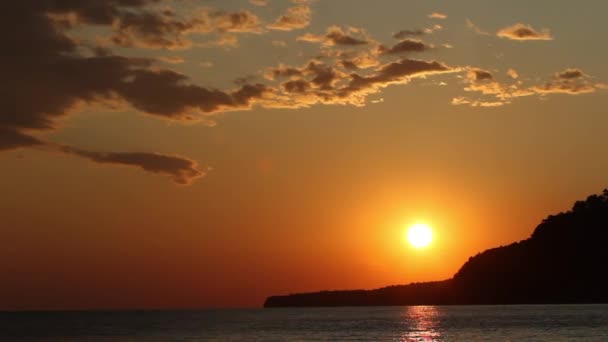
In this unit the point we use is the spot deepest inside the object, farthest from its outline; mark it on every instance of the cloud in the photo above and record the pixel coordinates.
(172, 59)
(407, 33)
(472, 26)
(296, 86)
(133, 24)
(570, 74)
(181, 170)
(321, 76)
(151, 30)
(165, 93)
(297, 17)
(476, 75)
(357, 60)
(404, 46)
(259, 2)
(222, 21)
(512, 73)
(77, 78)
(413, 33)
(166, 31)
(397, 72)
(483, 82)
(320, 83)
(457, 101)
(522, 32)
(571, 81)
(48, 74)
(283, 71)
(437, 15)
(337, 36)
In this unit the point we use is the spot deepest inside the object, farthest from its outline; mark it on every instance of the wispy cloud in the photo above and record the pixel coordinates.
(181, 170)
(472, 26)
(437, 15)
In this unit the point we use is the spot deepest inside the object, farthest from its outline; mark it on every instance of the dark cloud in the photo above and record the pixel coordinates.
(11, 139)
(337, 36)
(283, 71)
(349, 64)
(47, 74)
(166, 94)
(569, 74)
(151, 30)
(521, 31)
(319, 75)
(359, 61)
(405, 46)
(163, 30)
(396, 72)
(99, 12)
(407, 33)
(318, 82)
(296, 86)
(181, 170)
(324, 76)
(134, 25)
(477, 75)
(222, 21)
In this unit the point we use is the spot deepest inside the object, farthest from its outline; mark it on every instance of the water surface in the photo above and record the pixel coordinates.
(412, 323)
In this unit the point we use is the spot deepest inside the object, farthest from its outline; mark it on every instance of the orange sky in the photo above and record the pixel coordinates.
(218, 159)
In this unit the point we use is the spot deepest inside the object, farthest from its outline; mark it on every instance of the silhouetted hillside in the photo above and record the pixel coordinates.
(562, 262)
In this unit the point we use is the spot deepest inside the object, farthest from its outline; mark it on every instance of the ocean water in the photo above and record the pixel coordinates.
(406, 323)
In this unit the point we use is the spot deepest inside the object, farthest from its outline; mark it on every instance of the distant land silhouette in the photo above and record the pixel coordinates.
(564, 261)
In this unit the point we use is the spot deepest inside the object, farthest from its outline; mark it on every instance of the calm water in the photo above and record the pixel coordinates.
(415, 323)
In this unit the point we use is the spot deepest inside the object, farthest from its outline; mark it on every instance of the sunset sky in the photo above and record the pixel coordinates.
(184, 154)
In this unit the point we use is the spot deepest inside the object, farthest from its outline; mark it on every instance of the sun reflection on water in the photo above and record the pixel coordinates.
(421, 323)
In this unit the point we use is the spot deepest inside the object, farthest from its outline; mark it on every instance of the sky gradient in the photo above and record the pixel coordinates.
(183, 154)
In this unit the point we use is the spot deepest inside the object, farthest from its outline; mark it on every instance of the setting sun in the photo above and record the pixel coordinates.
(419, 235)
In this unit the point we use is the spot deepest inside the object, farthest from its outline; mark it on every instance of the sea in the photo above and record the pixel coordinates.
(405, 323)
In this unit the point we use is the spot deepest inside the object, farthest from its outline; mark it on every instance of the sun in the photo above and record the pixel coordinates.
(419, 235)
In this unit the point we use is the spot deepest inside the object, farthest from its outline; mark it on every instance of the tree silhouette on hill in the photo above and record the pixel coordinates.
(563, 261)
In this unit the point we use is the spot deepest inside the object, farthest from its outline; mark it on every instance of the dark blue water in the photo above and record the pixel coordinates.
(414, 323)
